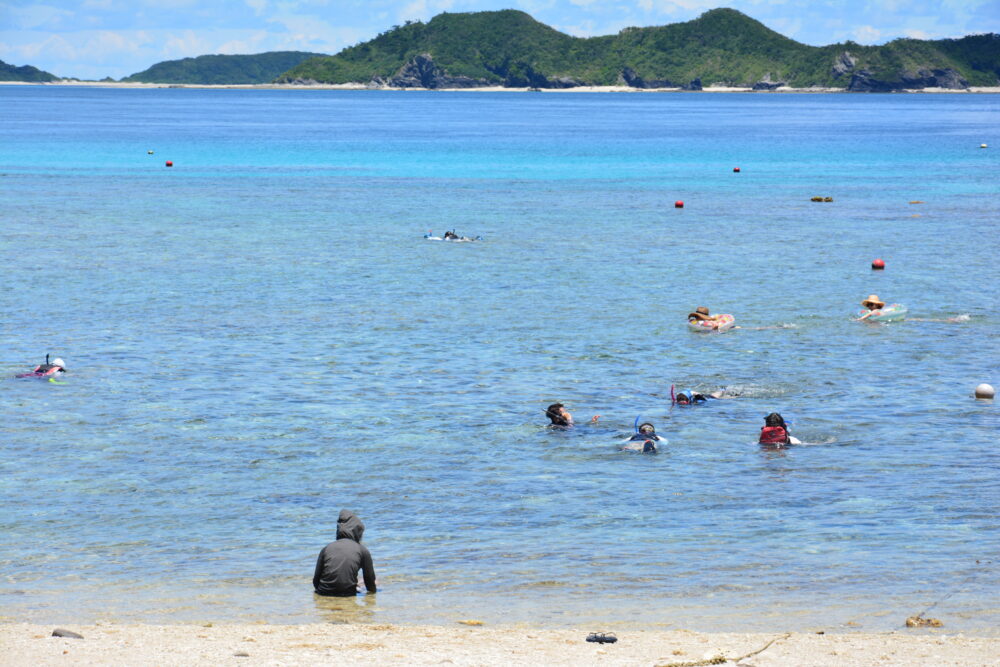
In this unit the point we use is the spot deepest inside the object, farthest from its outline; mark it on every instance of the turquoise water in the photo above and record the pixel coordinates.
(260, 336)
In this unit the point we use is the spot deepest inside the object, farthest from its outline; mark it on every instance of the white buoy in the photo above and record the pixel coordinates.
(984, 391)
(982, 145)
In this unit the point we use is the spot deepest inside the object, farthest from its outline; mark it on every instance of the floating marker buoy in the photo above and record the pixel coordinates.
(984, 391)
(678, 204)
(877, 265)
(982, 145)
(169, 163)
(149, 152)
(736, 170)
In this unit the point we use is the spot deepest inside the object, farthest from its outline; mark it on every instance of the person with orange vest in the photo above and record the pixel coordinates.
(774, 431)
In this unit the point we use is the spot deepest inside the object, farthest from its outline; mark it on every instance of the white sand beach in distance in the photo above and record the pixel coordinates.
(252, 644)
(486, 89)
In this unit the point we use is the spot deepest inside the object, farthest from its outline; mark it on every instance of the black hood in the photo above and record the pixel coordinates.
(349, 526)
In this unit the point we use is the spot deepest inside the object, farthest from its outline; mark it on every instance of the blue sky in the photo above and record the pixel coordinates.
(91, 39)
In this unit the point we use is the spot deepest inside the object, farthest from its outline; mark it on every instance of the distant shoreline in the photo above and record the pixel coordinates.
(485, 89)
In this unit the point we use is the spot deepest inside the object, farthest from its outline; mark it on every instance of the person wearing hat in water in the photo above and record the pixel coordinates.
(874, 306)
(700, 314)
(559, 416)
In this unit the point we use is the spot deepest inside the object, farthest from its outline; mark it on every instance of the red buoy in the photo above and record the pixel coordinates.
(877, 265)
(678, 204)
(736, 170)
(169, 163)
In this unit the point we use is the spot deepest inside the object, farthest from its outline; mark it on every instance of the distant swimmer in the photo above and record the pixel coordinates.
(644, 440)
(559, 416)
(688, 397)
(873, 306)
(775, 431)
(702, 320)
(47, 369)
(453, 236)
(876, 310)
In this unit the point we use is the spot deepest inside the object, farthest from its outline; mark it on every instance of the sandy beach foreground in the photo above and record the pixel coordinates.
(246, 644)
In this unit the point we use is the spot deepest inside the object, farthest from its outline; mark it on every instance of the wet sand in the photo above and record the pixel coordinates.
(247, 644)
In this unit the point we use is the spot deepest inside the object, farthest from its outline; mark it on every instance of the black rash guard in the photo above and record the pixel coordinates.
(338, 563)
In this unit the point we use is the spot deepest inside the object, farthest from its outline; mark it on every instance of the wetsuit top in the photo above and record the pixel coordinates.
(773, 435)
(47, 369)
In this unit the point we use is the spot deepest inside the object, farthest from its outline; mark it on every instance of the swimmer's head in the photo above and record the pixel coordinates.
(557, 414)
(774, 419)
(59, 362)
(684, 397)
(647, 429)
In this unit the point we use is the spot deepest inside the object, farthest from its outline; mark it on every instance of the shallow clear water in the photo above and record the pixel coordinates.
(259, 337)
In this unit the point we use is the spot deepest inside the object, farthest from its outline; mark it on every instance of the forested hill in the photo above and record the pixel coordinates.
(24, 73)
(722, 46)
(223, 70)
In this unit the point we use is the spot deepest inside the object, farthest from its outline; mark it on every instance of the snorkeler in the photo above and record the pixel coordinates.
(689, 397)
(645, 435)
(47, 369)
(559, 416)
(775, 431)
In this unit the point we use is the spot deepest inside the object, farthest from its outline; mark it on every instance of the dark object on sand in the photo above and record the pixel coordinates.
(919, 621)
(59, 632)
(602, 637)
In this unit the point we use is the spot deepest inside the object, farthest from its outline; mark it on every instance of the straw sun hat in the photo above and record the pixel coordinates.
(700, 310)
(873, 301)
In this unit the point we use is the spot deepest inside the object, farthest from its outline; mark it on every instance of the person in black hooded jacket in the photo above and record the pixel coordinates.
(338, 563)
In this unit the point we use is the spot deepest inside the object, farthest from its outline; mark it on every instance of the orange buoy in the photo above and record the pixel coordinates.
(169, 163)
(678, 204)
(736, 170)
(877, 265)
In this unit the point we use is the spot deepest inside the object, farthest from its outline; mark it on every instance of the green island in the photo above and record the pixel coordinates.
(24, 73)
(222, 70)
(722, 47)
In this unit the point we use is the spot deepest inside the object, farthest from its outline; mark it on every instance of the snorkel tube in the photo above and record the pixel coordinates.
(635, 426)
(673, 397)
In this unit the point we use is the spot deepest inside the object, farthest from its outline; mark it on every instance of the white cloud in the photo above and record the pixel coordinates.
(258, 6)
(184, 44)
(866, 34)
(916, 33)
(34, 17)
(421, 10)
(674, 6)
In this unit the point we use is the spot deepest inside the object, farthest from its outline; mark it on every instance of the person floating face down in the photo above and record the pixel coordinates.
(774, 431)
(689, 397)
(647, 436)
(559, 416)
(338, 563)
(873, 306)
(57, 366)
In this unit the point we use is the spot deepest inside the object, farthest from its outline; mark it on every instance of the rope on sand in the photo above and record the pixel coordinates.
(721, 659)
